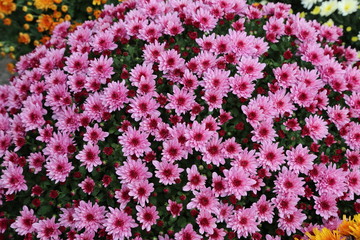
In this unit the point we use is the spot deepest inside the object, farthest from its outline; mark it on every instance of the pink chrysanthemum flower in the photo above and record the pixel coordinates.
(76, 62)
(332, 180)
(13, 180)
(212, 152)
(89, 156)
(243, 222)
(317, 127)
(89, 216)
(239, 182)
(353, 158)
(87, 185)
(246, 160)
(206, 20)
(147, 216)
(66, 218)
(206, 222)
(219, 185)
(197, 136)
(58, 168)
(58, 144)
(167, 172)
(187, 233)
(134, 142)
(285, 203)
(118, 224)
(339, 116)
(47, 229)
(101, 68)
(32, 117)
(299, 159)
(170, 60)
(115, 96)
(181, 101)
(354, 182)
(84, 236)
(132, 171)
(242, 86)
(122, 196)
(24, 223)
(286, 74)
(141, 191)
(325, 206)
(289, 183)
(103, 41)
(231, 148)
(95, 134)
(251, 67)
(218, 234)
(174, 208)
(271, 156)
(204, 200)
(143, 106)
(264, 209)
(291, 222)
(94, 107)
(172, 151)
(264, 132)
(36, 161)
(292, 124)
(45, 134)
(196, 181)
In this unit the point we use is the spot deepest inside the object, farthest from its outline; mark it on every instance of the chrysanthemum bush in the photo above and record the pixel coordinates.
(25, 24)
(181, 120)
(343, 13)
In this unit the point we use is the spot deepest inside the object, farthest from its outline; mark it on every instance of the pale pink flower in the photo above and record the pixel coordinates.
(172, 151)
(167, 172)
(174, 208)
(223, 212)
(187, 233)
(239, 182)
(47, 229)
(13, 180)
(58, 168)
(299, 159)
(353, 158)
(325, 206)
(243, 222)
(89, 216)
(143, 106)
(204, 200)
(115, 96)
(354, 182)
(103, 41)
(134, 142)
(181, 101)
(119, 224)
(87, 185)
(206, 222)
(76, 62)
(271, 156)
(36, 161)
(141, 191)
(24, 223)
(264, 209)
(95, 134)
(303, 95)
(332, 180)
(89, 156)
(231, 148)
(147, 216)
(254, 114)
(132, 171)
(289, 183)
(317, 127)
(66, 218)
(195, 180)
(170, 60)
(291, 222)
(32, 117)
(286, 74)
(206, 20)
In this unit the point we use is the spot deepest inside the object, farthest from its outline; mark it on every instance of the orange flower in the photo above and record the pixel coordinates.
(24, 38)
(10, 68)
(7, 6)
(7, 21)
(97, 13)
(29, 17)
(44, 22)
(44, 39)
(43, 4)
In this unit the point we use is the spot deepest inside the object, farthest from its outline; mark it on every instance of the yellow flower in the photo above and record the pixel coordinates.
(25, 8)
(64, 8)
(89, 9)
(96, 2)
(24, 38)
(67, 17)
(57, 1)
(344, 227)
(355, 229)
(26, 26)
(7, 6)
(43, 4)
(329, 23)
(29, 17)
(328, 7)
(316, 10)
(302, 14)
(44, 22)
(11, 48)
(354, 39)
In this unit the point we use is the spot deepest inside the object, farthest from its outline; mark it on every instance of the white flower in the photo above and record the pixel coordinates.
(308, 4)
(346, 7)
(328, 7)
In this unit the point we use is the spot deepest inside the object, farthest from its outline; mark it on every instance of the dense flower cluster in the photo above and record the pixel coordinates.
(26, 24)
(348, 228)
(182, 120)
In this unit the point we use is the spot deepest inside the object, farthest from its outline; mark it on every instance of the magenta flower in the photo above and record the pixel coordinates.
(141, 190)
(133, 171)
(134, 142)
(206, 222)
(119, 224)
(89, 216)
(58, 168)
(167, 172)
(24, 223)
(239, 182)
(187, 233)
(47, 229)
(147, 216)
(13, 179)
(299, 159)
(204, 200)
(243, 222)
(89, 156)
